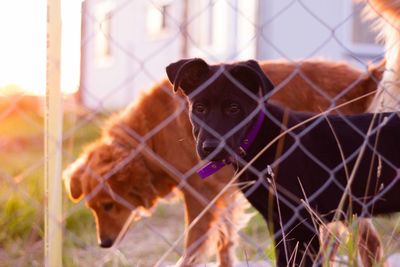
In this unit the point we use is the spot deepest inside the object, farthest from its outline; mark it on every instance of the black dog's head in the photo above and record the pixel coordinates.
(223, 100)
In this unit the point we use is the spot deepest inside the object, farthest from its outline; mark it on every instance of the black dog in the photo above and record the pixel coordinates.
(316, 163)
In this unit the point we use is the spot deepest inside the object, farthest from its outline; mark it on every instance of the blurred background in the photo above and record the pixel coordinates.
(111, 51)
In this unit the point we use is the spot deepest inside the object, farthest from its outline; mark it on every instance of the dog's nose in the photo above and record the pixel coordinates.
(209, 145)
(106, 243)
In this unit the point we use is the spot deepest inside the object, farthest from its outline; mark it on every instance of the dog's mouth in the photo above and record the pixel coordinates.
(213, 156)
(109, 242)
(106, 242)
(214, 153)
(221, 156)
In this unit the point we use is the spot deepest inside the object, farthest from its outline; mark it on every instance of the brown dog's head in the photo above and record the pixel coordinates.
(116, 186)
(223, 101)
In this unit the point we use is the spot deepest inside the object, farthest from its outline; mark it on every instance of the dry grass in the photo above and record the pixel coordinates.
(21, 203)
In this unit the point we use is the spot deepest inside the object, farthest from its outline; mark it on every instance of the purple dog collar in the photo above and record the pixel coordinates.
(214, 166)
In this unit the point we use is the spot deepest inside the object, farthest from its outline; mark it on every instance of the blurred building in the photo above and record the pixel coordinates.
(126, 44)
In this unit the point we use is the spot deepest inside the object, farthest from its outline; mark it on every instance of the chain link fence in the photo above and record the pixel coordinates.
(129, 157)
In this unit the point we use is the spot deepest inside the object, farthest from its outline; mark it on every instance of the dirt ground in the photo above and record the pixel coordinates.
(149, 239)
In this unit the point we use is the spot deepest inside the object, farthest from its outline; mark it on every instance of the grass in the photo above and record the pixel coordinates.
(22, 198)
(22, 188)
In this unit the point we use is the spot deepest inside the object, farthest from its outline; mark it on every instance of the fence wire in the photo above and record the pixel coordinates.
(129, 156)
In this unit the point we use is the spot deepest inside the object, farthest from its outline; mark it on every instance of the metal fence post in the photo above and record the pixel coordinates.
(53, 139)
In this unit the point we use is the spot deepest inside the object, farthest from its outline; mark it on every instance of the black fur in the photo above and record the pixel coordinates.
(312, 163)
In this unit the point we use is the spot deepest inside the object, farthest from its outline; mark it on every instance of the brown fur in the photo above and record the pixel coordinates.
(386, 14)
(368, 240)
(389, 9)
(147, 151)
(313, 85)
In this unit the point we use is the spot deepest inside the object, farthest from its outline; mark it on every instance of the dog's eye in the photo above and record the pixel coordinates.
(199, 108)
(232, 109)
(108, 206)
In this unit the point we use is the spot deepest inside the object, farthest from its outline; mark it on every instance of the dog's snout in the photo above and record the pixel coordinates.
(106, 243)
(209, 145)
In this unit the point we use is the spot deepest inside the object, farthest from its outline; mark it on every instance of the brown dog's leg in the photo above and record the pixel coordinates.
(232, 206)
(197, 242)
(215, 230)
(327, 236)
(369, 244)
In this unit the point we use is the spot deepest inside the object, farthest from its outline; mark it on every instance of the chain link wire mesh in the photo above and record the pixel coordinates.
(125, 166)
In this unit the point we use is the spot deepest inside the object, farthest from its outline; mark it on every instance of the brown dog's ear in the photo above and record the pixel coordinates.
(72, 179)
(250, 74)
(186, 73)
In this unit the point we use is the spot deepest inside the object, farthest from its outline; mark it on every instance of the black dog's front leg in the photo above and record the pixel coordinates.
(296, 245)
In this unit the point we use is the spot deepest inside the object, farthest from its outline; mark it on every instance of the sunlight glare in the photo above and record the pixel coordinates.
(23, 46)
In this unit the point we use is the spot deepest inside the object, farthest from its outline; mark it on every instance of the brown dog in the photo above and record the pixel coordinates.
(147, 151)
(386, 14)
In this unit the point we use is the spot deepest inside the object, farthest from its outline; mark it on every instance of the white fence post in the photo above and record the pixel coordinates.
(53, 139)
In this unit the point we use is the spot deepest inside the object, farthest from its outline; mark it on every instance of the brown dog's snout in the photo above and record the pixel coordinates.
(209, 145)
(106, 242)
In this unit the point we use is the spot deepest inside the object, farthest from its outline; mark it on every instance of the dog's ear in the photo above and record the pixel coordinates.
(187, 73)
(72, 179)
(251, 75)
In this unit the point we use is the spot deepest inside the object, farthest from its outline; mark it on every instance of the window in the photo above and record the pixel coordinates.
(157, 19)
(103, 29)
(211, 25)
(362, 37)
(362, 33)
